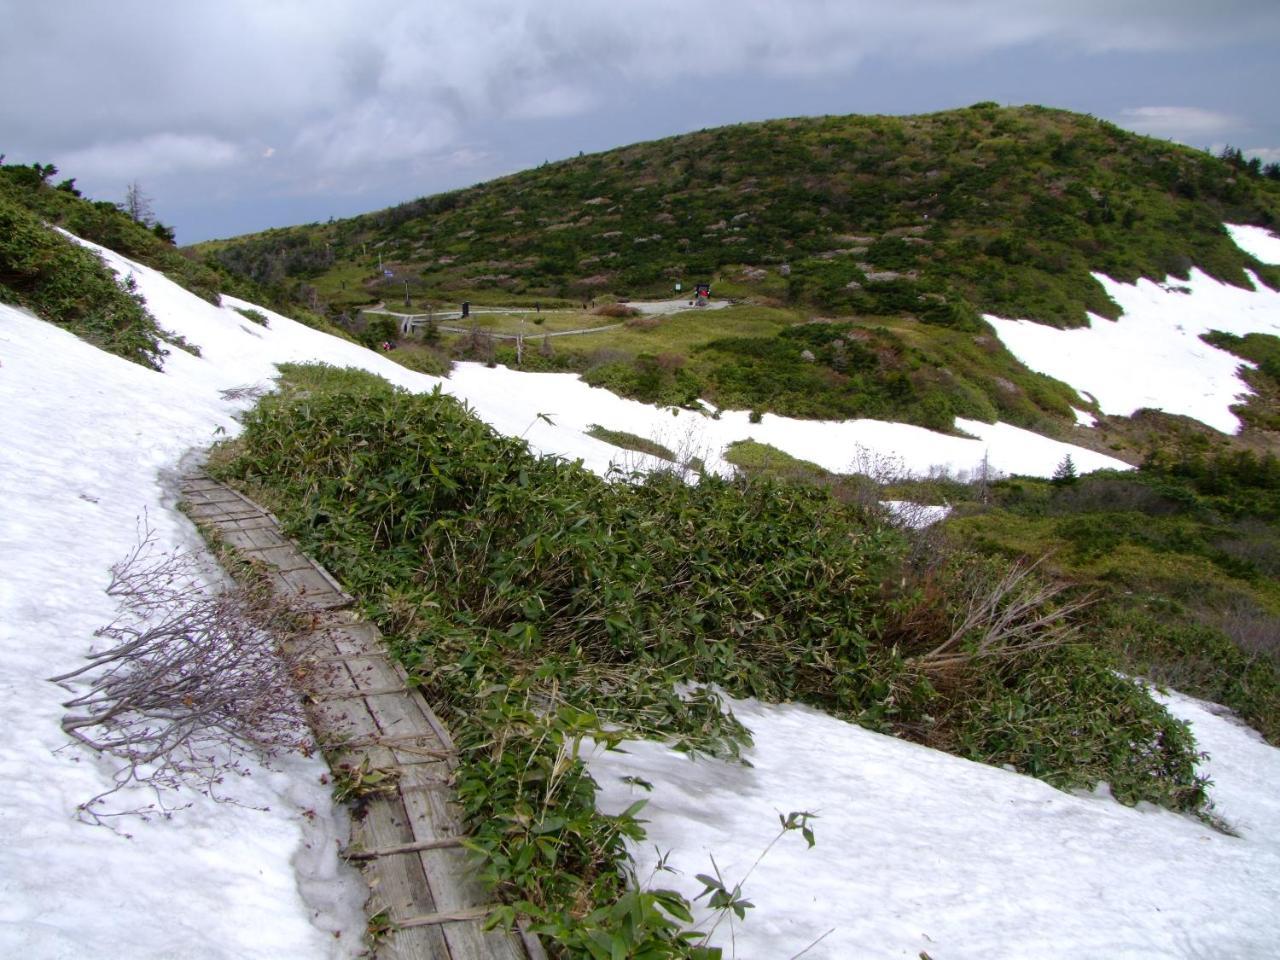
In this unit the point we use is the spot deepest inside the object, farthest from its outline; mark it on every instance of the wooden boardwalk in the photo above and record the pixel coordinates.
(377, 730)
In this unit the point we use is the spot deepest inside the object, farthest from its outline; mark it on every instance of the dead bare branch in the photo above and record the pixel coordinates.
(192, 681)
(1017, 613)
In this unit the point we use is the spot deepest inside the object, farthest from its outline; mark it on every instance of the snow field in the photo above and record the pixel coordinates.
(90, 442)
(1153, 355)
(923, 851)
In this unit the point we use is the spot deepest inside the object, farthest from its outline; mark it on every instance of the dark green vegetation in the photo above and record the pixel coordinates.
(630, 441)
(937, 216)
(538, 604)
(904, 229)
(1184, 555)
(66, 284)
(107, 225)
(1262, 410)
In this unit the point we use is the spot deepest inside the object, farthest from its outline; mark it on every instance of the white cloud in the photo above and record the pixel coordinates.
(1265, 154)
(1186, 124)
(158, 153)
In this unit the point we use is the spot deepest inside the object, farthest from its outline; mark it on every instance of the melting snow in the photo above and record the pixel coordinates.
(90, 442)
(1084, 418)
(1256, 241)
(1153, 355)
(921, 851)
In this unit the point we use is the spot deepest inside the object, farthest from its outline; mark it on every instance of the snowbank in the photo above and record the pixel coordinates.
(922, 851)
(1256, 241)
(1153, 355)
(511, 401)
(88, 444)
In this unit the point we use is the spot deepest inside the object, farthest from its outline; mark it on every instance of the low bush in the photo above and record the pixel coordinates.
(1182, 555)
(619, 310)
(67, 284)
(538, 604)
(631, 441)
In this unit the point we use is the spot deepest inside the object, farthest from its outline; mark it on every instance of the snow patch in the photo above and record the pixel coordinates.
(1153, 355)
(1084, 418)
(1258, 242)
(923, 851)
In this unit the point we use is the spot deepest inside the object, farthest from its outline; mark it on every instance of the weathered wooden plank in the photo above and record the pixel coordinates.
(402, 848)
(397, 713)
(267, 537)
(447, 916)
(323, 576)
(283, 556)
(311, 587)
(234, 511)
(345, 719)
(364, 712)
(215, 494)
(331, 681)
(397, 885)
(259, 522)
(240, 539)
(449, 872)
(373, 674)
(327, 695)
(204, 508)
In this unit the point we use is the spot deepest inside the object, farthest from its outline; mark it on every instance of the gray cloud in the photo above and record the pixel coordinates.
(1187, 124)
(156, 153)
(333, 86)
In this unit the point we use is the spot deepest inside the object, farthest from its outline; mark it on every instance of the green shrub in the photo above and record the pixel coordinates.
(67, 284)
(538, 604)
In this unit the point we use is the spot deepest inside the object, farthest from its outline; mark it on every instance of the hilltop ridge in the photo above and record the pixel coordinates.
(942, 216)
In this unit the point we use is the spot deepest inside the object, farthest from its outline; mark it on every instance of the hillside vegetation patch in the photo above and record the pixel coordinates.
(68, 285)
(538, 604)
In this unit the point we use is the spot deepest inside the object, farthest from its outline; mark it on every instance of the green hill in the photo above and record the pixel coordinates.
(64, 283)
(937, 216)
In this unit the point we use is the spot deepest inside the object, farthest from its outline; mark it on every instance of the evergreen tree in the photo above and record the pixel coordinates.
(1065, 474)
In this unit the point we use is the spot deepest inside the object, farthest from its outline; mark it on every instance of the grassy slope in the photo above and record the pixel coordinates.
(1005, 210)
(905, 227)
(63, 283)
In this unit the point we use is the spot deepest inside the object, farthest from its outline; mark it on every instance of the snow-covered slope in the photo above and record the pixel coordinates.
(924, 853)
(88, 444)
(1152, 356)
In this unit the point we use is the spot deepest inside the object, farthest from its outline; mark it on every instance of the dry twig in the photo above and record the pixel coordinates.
(191, 683)
(1015, 614)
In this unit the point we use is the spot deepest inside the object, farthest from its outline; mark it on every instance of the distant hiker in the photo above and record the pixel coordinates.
(537, 307)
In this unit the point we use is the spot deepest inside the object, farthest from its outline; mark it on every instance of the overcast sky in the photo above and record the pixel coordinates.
(236, 115)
